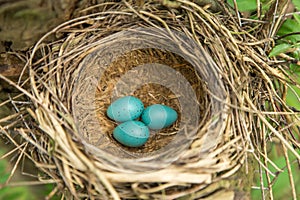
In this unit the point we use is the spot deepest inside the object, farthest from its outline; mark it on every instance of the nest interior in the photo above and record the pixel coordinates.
(150, 93)
(78, 73)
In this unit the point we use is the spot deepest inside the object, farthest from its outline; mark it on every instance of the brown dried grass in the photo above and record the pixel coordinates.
(149, 93)
(254, 87)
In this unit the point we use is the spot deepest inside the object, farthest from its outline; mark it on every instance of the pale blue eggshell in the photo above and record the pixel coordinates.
(131, 133)
(159, 116)
(125, 109)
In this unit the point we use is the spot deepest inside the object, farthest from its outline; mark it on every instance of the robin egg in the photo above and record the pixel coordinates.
(159, 116)
(125, 109)
(131, 133)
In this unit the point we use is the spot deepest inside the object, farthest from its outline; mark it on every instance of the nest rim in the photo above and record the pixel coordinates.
(143, 36)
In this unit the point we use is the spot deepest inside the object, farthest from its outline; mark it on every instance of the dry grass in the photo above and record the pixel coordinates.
(149, 93)
(240, 93)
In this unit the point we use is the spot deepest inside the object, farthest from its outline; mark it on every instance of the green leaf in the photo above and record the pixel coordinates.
(288, 27)
(293, 91)
(281, 186)
(3, 166)
(296, 53)
(3, 178)
(48, 189)
(296, 3)
(3, 174)
(297, 17)
(16, 193)
(281, 191)
(291, 98)
(281, 48)
(295, 69)
(244, 5)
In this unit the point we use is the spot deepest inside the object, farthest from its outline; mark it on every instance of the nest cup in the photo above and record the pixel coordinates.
(80, 75)
(158, 66)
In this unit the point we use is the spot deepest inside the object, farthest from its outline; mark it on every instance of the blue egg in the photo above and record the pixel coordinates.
(132, 133)
(125, 109)
(159, 116)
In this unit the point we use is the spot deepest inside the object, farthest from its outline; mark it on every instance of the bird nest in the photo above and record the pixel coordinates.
(180, 55)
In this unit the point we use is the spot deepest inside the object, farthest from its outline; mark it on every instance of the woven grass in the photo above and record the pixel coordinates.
(240, 94)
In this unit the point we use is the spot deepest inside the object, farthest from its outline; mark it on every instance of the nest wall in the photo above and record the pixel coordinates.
(230, 76)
